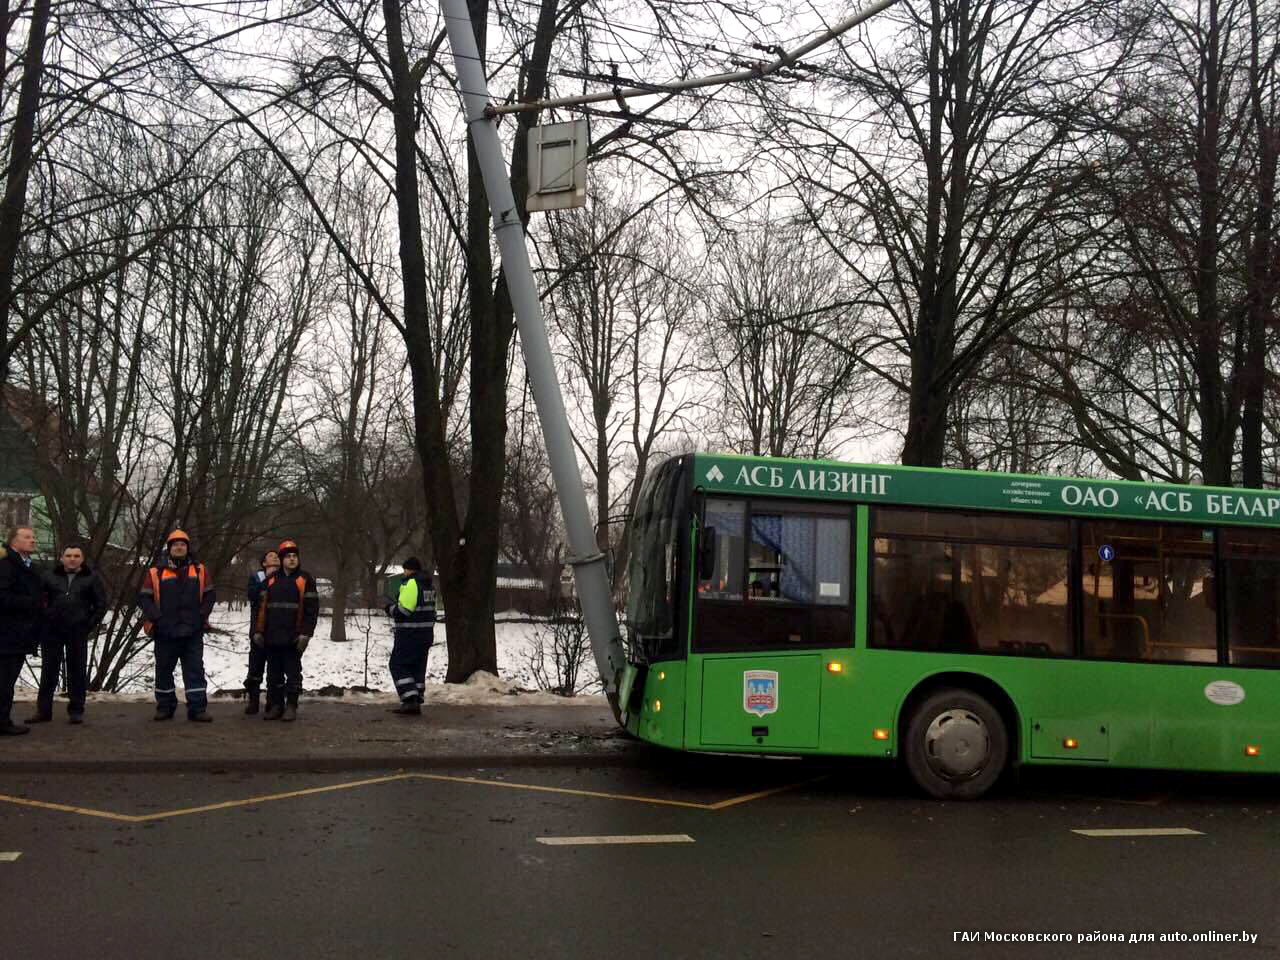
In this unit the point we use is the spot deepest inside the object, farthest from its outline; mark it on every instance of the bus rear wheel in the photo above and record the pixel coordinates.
(956, 745)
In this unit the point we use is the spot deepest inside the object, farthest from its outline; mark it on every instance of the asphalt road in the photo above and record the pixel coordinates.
(419, 864)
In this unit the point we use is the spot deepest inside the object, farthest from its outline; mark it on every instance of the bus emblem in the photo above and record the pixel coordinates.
(760, 692)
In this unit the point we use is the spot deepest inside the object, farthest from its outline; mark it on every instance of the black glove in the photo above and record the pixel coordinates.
(259, 640)
(301, 644)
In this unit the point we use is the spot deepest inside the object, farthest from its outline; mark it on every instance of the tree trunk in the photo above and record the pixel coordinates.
(925, 442)
(1217, 431)
(930, 397)
(14, 204)
(429, 434)
(341, 593)
(602, 475)
(1262, 270)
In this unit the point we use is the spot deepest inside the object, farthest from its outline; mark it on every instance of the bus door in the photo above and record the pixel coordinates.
(773, 593)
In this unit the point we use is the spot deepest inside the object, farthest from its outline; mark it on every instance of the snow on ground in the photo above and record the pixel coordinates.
(362, 662)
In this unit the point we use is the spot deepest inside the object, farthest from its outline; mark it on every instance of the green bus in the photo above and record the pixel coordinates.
(961, 621)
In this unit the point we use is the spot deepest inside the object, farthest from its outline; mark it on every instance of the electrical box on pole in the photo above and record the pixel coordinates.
(558, 166)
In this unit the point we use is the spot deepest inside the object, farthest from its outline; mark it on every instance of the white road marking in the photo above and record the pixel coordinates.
(9, 856)
(634, 838)
(1142, 832)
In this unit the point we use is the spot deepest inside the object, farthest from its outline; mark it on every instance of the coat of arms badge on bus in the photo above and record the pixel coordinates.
(760, 692)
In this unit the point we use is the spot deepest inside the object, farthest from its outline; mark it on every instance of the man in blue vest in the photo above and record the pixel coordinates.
(414, 612)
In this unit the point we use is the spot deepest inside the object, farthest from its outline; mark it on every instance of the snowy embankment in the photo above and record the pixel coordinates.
(357, 669)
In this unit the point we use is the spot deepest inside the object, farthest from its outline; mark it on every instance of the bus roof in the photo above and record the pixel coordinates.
(934, 487)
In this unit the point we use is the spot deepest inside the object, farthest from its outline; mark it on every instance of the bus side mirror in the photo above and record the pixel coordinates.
(707, 553)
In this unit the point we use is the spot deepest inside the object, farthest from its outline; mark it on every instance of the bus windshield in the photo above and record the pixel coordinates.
(653, 564)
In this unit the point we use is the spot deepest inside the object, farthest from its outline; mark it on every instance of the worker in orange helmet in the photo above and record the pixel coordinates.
(176, 599)
(288, 608)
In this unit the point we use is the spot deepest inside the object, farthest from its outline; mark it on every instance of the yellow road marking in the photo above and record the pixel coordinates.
(476, 781)
(229, 804)
(65, 808)
(1141, 832)
(567, 790)
(602, 841)
(748, 797)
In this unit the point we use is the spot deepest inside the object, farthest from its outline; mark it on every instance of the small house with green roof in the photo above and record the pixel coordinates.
(21, 501)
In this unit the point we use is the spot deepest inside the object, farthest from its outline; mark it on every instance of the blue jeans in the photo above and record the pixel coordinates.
(190, 650)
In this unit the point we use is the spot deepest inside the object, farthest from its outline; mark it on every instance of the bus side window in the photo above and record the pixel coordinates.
(1250, 589)
(722, 573)
(969, 583)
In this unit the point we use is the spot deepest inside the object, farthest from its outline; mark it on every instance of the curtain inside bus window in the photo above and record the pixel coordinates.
(831, 567)
(781, 563)
(1251, 590)
(1153, 600)
(963, 596)
(728, 518)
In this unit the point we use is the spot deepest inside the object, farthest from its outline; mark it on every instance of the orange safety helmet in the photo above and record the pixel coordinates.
(287, 546)
(177, 535)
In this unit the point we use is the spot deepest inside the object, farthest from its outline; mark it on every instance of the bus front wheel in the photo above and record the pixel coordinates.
(956, 745)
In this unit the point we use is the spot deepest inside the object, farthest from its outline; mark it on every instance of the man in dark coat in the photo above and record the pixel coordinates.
(21, 618)
(176, 599)
(288, 608)
(257, 652)
(77, 602)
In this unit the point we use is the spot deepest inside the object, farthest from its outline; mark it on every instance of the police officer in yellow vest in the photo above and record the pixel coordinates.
(414, 612)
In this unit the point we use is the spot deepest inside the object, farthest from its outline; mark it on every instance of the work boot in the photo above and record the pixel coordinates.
(410, 708)
(274, 711)
(75, 718)
(200, 716)
(39, 717)
(165, 713)
(9, 729)
(251, 707)
(290, 712)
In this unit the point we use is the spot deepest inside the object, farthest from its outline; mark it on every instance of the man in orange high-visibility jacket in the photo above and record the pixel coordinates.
(176, 599)
(288, 608)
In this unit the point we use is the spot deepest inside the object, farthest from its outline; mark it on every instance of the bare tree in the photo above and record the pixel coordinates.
(156, 394)
(946, 184)
(778, 305)
(623, 305)
(1184, 289)
(355, 453)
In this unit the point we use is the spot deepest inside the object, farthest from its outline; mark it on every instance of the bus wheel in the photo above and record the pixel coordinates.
(956, 745)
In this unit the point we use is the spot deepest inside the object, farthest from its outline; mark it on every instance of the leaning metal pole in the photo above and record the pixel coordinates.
(587, 560)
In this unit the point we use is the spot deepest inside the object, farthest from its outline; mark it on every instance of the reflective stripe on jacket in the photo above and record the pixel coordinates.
(288, 607)
(176, 599)
(415, 607)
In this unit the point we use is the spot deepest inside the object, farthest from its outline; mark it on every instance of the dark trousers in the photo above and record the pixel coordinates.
(284, 673)
(257, 667)
(10, 668)
(190, 650)
(409, 663)
(75, 646)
